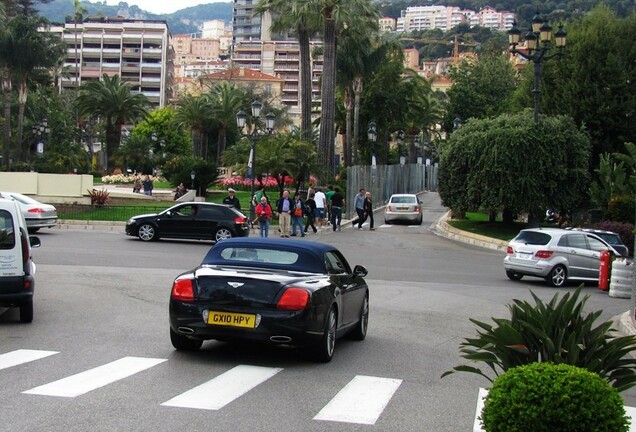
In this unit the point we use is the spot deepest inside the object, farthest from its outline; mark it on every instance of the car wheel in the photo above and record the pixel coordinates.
(513, 275)
(360, 330)
(421, 220)
(183, 343)
(222, 234)
(323, 352)
(558, 276)
(147, 232)
(26, 312)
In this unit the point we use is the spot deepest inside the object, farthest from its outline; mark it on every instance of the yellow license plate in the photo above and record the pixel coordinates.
(232, 319)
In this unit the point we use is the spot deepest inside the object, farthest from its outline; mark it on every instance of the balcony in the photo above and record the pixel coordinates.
(155, 66)
(111, 65)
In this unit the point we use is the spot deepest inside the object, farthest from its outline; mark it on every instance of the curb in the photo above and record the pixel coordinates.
(443, 229)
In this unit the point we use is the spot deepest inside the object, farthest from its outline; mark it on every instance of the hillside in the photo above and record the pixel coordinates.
(182, 21)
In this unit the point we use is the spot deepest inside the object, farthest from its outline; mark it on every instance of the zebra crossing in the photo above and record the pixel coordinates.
(361, 401)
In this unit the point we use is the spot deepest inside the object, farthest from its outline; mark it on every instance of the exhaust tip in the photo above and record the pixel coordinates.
(185, 330)
(280, 339)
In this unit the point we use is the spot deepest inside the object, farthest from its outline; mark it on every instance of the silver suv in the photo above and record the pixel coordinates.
(555, 254)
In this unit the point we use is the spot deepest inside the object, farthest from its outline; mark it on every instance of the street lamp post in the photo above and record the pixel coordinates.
(538, 44)
(193, 174)
(372, 134)
(41, 131)
(254, 135)
(457, 123)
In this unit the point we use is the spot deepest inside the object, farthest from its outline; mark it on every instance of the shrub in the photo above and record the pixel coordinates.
(177, 170)
(556, 332)
(99, 197)
(623, 229)
(544, 397)
(621, 208)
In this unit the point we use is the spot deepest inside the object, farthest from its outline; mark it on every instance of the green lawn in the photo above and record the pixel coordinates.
(477, 223)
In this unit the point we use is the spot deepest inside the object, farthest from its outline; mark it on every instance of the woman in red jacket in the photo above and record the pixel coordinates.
(263, 214)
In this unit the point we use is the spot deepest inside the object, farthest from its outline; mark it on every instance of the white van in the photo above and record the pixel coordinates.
(17, 269)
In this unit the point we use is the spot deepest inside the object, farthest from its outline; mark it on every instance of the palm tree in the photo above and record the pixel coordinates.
(6, 49)
(194, 112)
(336, 14)
(33, 49)
(302, 18)
(78, 15)
(112, 100)
(226, 100)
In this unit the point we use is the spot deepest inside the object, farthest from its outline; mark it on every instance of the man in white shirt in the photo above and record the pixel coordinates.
(321, 204)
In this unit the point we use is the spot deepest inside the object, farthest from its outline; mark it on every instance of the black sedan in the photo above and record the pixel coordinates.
(277, 291)
(190, 220)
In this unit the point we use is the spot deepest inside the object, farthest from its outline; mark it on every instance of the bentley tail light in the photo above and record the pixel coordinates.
(182, 290)
(293, 299)
(240, 220)
(510, 251)
(544, 254)
(36, 210)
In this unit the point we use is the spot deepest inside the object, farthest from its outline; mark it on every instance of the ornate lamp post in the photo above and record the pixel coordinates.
(193, 174)
(254, 135)
(538, 44)
(457, 123)
(372, 134)
(41, 132)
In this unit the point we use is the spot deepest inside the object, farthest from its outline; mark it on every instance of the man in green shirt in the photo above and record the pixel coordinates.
(328, 195)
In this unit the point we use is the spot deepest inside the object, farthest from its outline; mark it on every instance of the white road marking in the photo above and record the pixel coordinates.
(92, 379)
(20, 356)
(362, 400)
(630, 411)
(220, 391)
(386, 226)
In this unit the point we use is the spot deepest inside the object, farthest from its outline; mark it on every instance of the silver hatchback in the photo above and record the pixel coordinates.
(555, 254)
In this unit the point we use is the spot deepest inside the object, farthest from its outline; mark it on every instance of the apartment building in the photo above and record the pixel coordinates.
(249, 27)
(137, 50)
(387, 24)
(447, 17)
(282, 60)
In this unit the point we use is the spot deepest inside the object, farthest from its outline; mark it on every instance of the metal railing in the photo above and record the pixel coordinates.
(105, 213)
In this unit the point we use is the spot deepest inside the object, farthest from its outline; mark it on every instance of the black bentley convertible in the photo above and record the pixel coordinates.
(278, 291)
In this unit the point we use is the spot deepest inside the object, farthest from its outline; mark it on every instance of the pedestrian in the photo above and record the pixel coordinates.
(321, 203)
(328, 196)
(263, 214)
(284, 207)
(260, 193)
(137, 184)
(180, 191)
(359, 205)
(310, 209)
(297, 215)
(368, 210)
(148, 186)
(337, 204)
(231, 199)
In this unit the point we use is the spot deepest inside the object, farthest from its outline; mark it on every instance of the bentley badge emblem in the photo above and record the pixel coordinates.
(235, 284)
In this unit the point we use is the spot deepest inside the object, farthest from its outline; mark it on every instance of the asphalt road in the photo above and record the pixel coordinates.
(102, 298)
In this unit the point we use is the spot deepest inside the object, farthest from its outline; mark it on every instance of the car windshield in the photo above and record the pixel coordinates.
(403, 200)
(610, 238)
(533, 238)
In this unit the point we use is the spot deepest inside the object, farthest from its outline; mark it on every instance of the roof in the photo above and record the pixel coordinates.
(310, 254)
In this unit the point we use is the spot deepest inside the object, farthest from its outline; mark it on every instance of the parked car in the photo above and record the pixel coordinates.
(275, 291)
(190, 220)
(555, 254)
(609, 236)
(37, 214)
(17, 270)
(403, 207)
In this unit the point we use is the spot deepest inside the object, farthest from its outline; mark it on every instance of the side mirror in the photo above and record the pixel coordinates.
(35, 241)
(360, 271)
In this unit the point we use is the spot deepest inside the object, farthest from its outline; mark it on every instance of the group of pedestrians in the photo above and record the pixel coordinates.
(296, 216)
(364, 209)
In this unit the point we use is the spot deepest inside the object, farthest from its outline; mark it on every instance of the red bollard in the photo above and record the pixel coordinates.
(604, 271)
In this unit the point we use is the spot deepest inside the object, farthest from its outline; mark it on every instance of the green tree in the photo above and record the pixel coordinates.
(482, 88)
(194, 113)
(507, 164)
(166, 136)
(595, 82)
(335, 13)
(303, 19)
(225, 101)
(113, 101)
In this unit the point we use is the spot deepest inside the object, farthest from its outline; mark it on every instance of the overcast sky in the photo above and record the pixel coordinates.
(164, 6)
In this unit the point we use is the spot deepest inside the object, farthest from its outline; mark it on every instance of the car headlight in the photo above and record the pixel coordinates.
(130, 221)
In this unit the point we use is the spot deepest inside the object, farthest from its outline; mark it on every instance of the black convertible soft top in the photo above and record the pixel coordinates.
(308, 256)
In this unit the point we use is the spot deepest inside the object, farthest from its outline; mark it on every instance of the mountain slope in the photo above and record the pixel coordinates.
(186, 20)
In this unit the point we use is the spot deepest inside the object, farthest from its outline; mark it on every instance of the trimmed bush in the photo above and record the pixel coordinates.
(544, 397)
